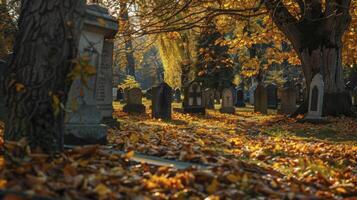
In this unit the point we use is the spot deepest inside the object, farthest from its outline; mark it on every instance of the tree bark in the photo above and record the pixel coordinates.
(317, 39)
(129, 52)
(37, 83)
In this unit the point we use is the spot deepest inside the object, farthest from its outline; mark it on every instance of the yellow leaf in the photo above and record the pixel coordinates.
(232, 178)
(101, 21)
(130, 154)
(211, 188)
(19, 87)
(102, 190)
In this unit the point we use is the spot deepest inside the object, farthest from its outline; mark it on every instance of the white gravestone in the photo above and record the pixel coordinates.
(316, 98)
(86, 103)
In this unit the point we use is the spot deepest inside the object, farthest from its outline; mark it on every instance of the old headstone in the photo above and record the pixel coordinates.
(316, 98)
(288, 101)
(115, 93)
(161, 101)
(193, 99)
(240, 98)
(89, 102)
(217, 96)
(177, 95)
(227, 101)
(120, 94)
(134, 101)
(208, 95)
(272, 95)
(260, 99)
(3, 110)
(251, 93)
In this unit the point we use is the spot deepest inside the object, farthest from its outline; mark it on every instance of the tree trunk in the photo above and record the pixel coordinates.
(328, 62)
(129, 52)
(37, 83)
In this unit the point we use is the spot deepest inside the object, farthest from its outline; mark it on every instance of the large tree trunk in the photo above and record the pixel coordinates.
(317, 39)
(37, 83)
(125, 28)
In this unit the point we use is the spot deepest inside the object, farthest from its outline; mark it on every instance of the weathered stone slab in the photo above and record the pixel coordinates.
(161, 101)
(227, 101)
(134, 101)
(316, 98)
(260, 99)
(193, 102)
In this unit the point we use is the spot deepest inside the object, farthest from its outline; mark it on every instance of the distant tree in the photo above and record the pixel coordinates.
(214, 65)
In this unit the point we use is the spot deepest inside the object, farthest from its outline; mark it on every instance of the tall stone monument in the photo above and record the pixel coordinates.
(88, 102)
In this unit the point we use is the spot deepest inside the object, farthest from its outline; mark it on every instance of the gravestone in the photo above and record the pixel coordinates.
(227, 101)
(3, 110)
(240, 98)
(251, 93)
(288, 101)
(260, 99)
(193, 99)
(120, 94)
(148, 94)
(177, 95)
(89, 102)
(316, 98)
(209, 98)
(115, 94)
(161, 101)
(217, 96)
(272, 95)
(134, 101)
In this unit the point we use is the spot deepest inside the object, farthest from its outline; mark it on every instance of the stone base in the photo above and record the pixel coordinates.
(111, 122)
(85, 134)
(229, 110)
(314, 120)
(198, 110)
(134, 108)
(240, 104)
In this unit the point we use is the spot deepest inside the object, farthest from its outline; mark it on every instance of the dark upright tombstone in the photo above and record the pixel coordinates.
(272, 95)
(288, 101)
(193, 100)
(240, 98)
(134, 101)
(209, 98)
(260, 99)
(177, 95)
(120, 94)
(148, 94)
(3, 110)
(161, 101)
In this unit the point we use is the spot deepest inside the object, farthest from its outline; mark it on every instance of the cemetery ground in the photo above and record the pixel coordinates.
(236, 156)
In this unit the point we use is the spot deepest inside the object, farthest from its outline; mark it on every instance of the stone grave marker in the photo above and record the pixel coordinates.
(316, 98)
(120, 94)
(251, 93)
(240, 98)
(272, 95)
(217, 96)
(288, 101)
(88, 103)
(134, 101)
(161, 101)
(193, 99)
(260, 99)
(209, 98)
(177, 95)
(227, 101)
